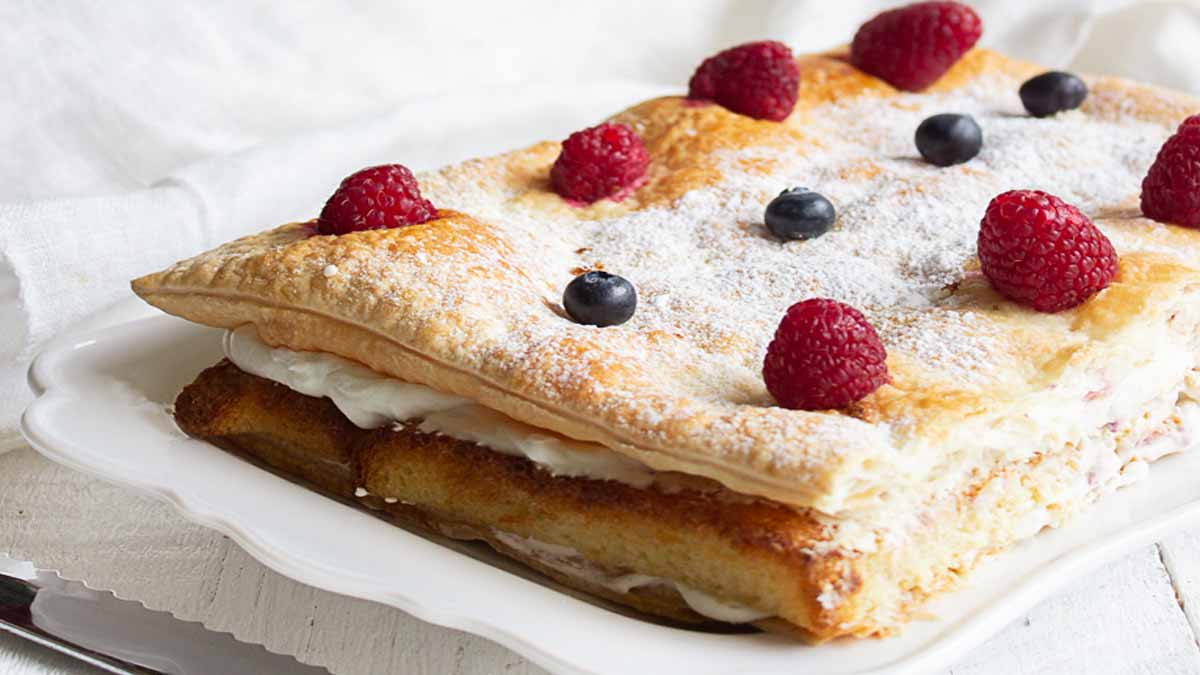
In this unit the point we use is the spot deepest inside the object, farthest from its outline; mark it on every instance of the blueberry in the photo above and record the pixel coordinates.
(948, 139)
(799, 213)
(1052, 92)
(600, 299)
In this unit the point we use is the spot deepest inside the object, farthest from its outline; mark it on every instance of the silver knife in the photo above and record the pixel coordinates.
(120, 636)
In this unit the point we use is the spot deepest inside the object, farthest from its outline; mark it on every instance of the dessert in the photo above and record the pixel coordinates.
(813, 424)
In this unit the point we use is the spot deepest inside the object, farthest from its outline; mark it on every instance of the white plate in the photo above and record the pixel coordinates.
(101, 409)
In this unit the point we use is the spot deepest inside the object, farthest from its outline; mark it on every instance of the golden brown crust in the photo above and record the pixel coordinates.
(318, 443)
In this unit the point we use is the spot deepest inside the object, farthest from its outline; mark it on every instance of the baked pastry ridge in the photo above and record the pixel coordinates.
(997, 420)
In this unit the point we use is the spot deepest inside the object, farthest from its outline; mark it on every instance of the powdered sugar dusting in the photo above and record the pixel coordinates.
(960, 345)
(904, 232)
(705, 267)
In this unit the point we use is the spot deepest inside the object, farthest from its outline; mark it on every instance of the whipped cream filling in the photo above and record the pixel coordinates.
(570, 562)
(1075, 409)
(371, 400)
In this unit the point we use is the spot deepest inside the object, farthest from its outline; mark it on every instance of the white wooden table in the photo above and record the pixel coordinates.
(1137, 615)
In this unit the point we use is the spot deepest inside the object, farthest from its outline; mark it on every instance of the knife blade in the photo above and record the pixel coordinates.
(120, 636)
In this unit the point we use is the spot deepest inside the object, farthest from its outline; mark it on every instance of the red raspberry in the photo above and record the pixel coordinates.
(910, 47)
(758, 79)
(375, 198)
(1042, 252)
(1171, 189)
(824, 355)
(603, 161)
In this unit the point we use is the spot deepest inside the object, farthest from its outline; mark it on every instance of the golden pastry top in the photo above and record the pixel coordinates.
(470, 302)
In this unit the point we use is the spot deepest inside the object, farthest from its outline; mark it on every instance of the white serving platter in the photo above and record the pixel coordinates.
(102, 408)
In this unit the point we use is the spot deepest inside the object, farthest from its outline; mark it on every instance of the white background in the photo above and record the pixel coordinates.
(139, 132)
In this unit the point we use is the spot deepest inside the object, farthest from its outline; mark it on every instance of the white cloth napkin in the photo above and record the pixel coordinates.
(142, 133)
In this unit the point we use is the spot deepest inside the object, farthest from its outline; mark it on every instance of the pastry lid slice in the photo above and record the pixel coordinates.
(470, 302)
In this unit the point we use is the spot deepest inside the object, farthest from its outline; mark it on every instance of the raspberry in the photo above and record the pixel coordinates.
(1042, 252)
(603, 161)
(1171, 189)
(824, 355)
(910, 47)
(758, 79)
(375, 198)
